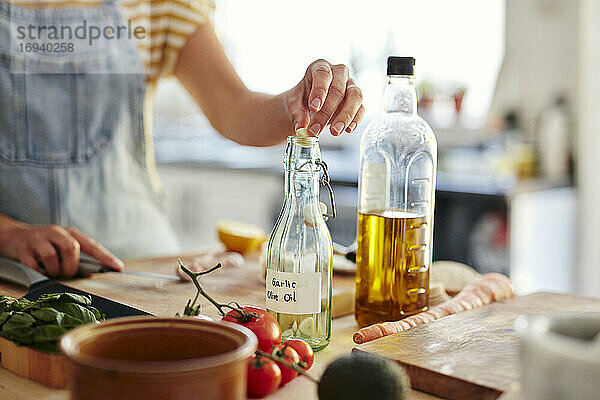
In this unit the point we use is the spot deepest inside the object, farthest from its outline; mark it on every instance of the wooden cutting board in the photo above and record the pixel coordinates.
(474, 354)
(160, 297)
(47, 369)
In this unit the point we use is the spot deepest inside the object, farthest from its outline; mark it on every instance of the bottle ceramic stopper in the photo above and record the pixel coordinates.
(303, 133)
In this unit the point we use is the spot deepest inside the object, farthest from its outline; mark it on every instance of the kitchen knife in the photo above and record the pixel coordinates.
(89, 265)
(38, 284)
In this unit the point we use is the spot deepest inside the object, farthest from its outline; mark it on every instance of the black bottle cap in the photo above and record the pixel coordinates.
(401, 66)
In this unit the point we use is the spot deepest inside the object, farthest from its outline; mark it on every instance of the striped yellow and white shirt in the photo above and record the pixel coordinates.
(170, 23)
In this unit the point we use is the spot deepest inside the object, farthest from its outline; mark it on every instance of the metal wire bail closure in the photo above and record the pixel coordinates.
(325, 181)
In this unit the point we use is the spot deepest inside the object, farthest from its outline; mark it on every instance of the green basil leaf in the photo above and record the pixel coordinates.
(18, 319)
(76, 298)
(18, 328)
(4, 316)
(94, 310)
(76, 311)
(69, 322)
(48, 314)
(8, 303)
(48, 297)
(47, 333)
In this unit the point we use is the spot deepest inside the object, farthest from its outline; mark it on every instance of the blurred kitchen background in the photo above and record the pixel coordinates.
(510, 87)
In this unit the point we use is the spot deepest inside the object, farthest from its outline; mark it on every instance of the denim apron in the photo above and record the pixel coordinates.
(72, 145)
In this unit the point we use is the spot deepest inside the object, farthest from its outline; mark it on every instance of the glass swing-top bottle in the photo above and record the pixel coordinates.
(398, 157)
(300, 251)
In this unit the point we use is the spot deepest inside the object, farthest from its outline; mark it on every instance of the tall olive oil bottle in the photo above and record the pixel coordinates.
(398, 159)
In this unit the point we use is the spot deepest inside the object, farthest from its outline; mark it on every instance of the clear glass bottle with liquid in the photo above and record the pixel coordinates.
(300, 251)
(398, 158)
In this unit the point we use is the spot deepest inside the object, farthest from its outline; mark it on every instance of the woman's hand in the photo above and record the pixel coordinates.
(325, 95)
(52, 250)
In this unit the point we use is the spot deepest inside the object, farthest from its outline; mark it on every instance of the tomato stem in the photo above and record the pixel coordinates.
(193, 309)
(257, 362)
(275, 356)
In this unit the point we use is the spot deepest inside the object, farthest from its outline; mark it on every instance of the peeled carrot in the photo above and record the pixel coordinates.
(471, 298)
(488, 288)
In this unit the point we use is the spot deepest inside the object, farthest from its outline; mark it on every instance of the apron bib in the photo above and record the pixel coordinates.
(72, 145)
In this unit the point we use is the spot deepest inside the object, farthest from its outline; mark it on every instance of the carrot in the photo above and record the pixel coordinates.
(503, 281)
(488, 288)
(403, 324)
(466, 306)
(427, 317)
(451, 306)
(418, 318)
(496, 288)
(411, 321)
(369, 333)
(390, 327)
(487, 291)
(471, 298)
(485, 297)
(438, 313)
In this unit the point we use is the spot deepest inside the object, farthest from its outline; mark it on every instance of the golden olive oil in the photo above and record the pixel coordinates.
(392, 266)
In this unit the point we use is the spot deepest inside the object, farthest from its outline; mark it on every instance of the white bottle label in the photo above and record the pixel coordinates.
(291, 293)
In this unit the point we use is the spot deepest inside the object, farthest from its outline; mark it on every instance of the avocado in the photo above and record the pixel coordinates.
(360, 376)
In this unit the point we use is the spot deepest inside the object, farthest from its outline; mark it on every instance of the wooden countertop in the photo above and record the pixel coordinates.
(165, 298)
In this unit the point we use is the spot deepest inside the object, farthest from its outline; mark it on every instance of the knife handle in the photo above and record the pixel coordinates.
(15, 272)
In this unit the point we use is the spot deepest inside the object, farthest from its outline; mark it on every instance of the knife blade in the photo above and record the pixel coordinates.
(89, 265)
(38, 284)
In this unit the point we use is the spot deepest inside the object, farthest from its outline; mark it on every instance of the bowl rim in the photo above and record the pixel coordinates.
(70, 342)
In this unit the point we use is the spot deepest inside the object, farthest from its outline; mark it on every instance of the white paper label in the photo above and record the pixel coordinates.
(291, 293)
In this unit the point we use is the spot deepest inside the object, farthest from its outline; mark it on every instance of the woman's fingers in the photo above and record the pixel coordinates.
(46, 254)
(357, 118)
(96, 250)
(297, 109)
(326, 95)
(347, 110)
(54, 250)
(335, 95)
(26, 258)
(319, 76)
(68, 248)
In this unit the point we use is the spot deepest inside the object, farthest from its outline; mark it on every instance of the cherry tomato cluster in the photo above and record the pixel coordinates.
(267, 370)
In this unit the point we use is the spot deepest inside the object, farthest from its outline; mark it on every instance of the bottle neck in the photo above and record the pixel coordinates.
(400, 95)
(302, 185)
(301, 169)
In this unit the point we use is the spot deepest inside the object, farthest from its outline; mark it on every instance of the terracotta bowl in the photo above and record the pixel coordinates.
(158, 358)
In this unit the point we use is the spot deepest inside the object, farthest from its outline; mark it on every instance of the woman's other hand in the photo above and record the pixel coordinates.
(326, 95)
(52, 250)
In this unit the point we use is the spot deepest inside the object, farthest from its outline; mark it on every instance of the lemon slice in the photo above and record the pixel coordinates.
(240, 237)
